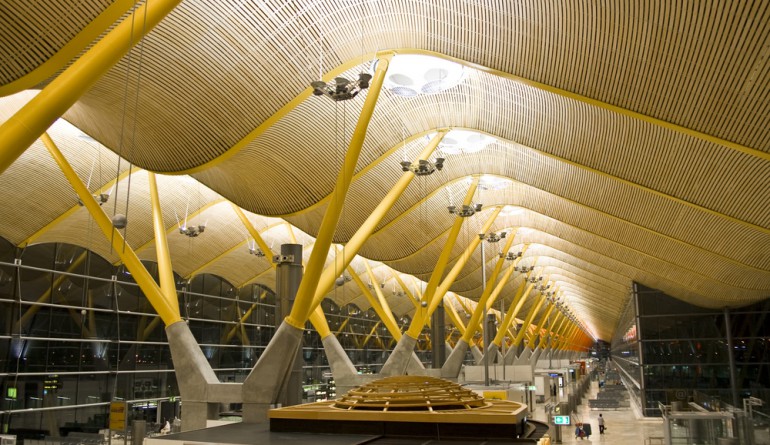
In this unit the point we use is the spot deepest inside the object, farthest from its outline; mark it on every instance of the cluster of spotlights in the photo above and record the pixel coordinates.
(341, 88)
(192, 231)
(101, 198)
(524, 269)
(510, 256)
(256, 251)
(493, 237)
(465, 211)
(423, 167)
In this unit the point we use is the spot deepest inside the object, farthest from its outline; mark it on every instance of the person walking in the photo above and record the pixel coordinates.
(601, 424)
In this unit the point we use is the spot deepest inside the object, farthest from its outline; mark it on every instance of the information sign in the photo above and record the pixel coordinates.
(118, 411)
(561, 420)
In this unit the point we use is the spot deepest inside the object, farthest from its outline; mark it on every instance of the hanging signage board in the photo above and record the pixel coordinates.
(118, 412)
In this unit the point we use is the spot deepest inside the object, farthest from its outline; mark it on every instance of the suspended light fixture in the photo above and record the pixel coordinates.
(341, 89)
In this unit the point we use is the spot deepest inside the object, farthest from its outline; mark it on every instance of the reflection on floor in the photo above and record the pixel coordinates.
(623, 426)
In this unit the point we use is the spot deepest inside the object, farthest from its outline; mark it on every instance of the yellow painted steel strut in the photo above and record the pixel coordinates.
(168, 311)
(510, 314)
(446, 283)
(528, 320)
(304, 303)
(165, 270)
(454, 316)
(29, 123)
(490, 290)
(499, 289)
(552, 331)
(540, 325)
(351, 248)
(390, 322)
(380, 296)
(418, 321)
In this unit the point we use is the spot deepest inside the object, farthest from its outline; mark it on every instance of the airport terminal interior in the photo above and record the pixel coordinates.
(384, 221)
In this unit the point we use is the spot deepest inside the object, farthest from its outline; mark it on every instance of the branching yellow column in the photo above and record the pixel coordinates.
(492, 294)
(143, 278)
(430, 290)
(552, 331)
(513, 309)
(528, 320)
(389, 322)
(446, 283)
(29, 123)
(540, 325)
(378, 289)
(454, 316)
(165, 271)
(304, 303)
(351, 248)
(254, 234)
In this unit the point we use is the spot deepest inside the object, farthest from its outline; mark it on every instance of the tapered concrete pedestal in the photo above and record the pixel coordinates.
(454, 361)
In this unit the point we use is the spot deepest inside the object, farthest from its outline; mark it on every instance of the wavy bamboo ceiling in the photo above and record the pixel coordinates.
(635, 137)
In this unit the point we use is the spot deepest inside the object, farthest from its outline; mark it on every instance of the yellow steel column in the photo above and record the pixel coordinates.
(419, 321)
(552, 331)
(351, 248)
(29, 123)
(490, 290)
(304, 302)
(378, 289)
(389, 322)
(165, 271)
(455, 317)
(446, 283)
(415, 302)
(510, 315)
(143, 278)
(540, 325)
(254, 234)
(528, 320)
(499, 289)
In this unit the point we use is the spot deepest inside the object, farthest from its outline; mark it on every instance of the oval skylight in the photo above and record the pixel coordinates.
(413, 74)
(464, 141)
(489, 182)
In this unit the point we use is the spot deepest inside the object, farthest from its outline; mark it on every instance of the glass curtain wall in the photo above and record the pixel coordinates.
(76, 332)
(683, 351)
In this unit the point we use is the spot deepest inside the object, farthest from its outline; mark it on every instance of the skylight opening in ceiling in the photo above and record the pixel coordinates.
(491, 182)
(463, 141)
(410, 75)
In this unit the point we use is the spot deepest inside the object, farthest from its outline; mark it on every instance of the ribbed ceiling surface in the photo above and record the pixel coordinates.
(635, 138)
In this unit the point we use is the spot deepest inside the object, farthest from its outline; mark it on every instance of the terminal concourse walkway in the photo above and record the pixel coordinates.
(623, 425)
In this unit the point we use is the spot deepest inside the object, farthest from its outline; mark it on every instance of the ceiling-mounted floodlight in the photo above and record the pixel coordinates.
(524, 269)
(466, 210)
(341, 88)
(101, 198)
(253, 249)
(342, 279)
(423, 167)
(493, 237)
(510, 256)
(192, 231)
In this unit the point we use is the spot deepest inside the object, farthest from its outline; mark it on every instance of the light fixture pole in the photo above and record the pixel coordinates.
(484, 317)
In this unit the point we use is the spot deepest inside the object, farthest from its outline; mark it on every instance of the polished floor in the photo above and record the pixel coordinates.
(624, 426)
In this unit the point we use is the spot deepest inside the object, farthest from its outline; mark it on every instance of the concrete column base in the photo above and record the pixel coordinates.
(398, 362)
(338, 359)
(523, 358)
(535, 356)
(476, 352)
(490, 355)
(194, 377)
(454, 361)
(415, 366)
(510, 356)
(268, 379)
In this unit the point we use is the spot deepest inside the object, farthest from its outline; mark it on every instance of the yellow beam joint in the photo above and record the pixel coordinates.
(290, 231)
(378, 289)
(143, 278)
(415, 302)
(478, 313)
(498, 289)
(528, 320)
(29, 123)
(539, 327)
(318, 320)
(354, 244)
(454, 316)
(389, 322)
(165, 271)
(254, 234)
(447, 282)
(430, 290)
(305, 301)
(374, 329)
(551, 331)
